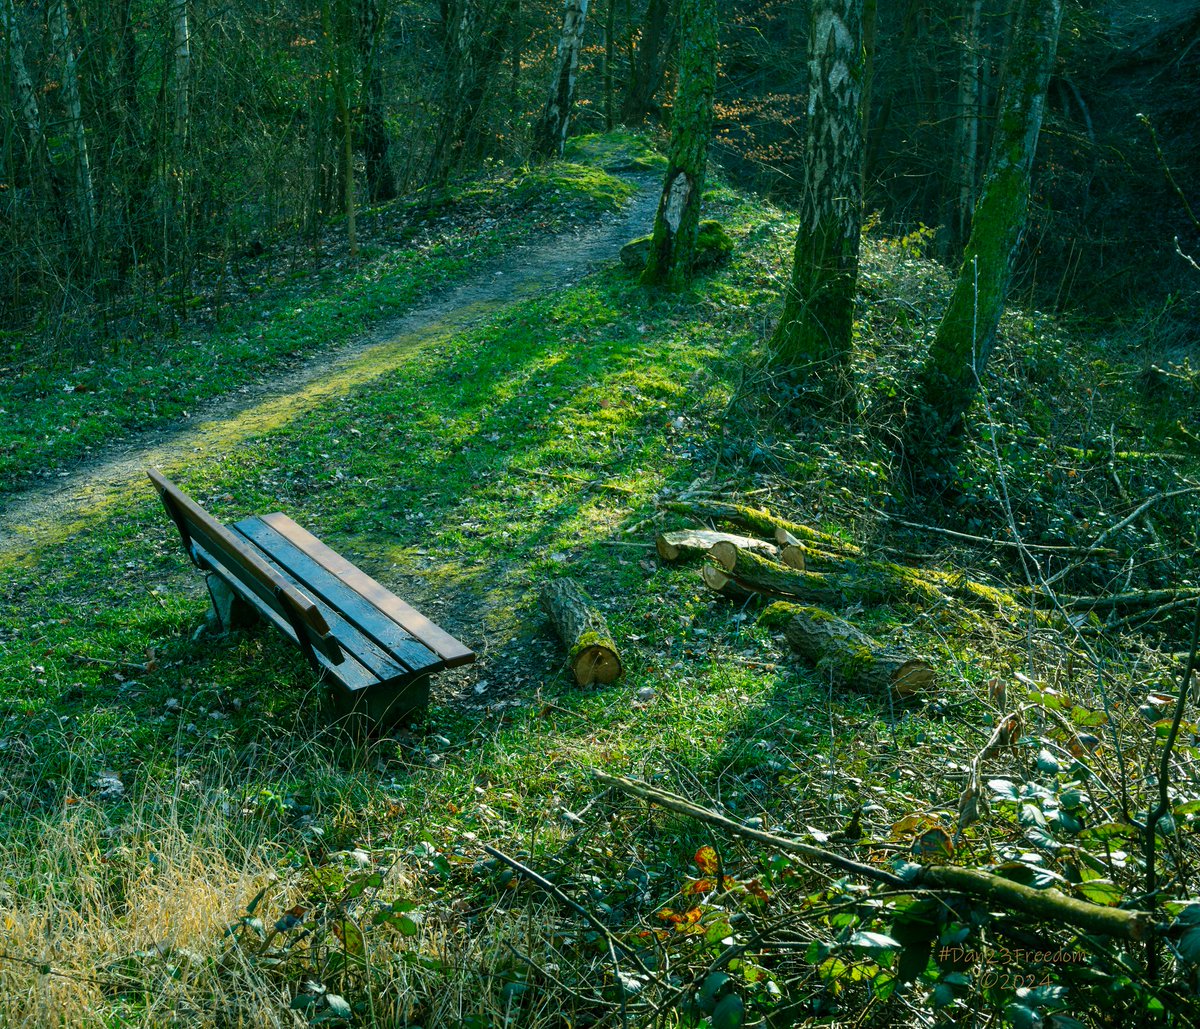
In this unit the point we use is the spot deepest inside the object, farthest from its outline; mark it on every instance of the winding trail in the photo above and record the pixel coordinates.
(54, 512)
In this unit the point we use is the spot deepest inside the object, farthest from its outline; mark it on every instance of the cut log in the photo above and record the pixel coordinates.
(720, 582)
(795, 555)
(685, 543)
(848, 654)
(592, 655)
(760, 521)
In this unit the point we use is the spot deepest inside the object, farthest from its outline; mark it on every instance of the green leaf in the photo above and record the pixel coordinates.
(1080, 715)
(1047, 762)
(1189, 946)
(1003, 788)
(729, 1013)
(338, 1005)
(873, 941)
(1101, 891)
(1023, 1017)
(713, 984)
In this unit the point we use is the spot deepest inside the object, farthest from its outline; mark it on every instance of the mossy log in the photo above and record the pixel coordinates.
(725, 553)
(685, 543)
(762, 522)
(592, 655)
(861, 582)
(847, 653)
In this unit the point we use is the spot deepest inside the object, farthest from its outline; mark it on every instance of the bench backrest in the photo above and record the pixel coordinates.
(207, 540)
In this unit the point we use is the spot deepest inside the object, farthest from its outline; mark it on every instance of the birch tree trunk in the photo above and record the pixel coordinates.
(965, 336)
(550, 135)
(338, 30)
(22, 84)
(813, 340)
(183, 77)
(673, 244)
(85, 201)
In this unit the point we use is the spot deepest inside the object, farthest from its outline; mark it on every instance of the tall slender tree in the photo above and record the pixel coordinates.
(673, 244)
(654, 51)
(550, 134)
(84, 192)
(813, 339)
(377, 157)
(966, 334)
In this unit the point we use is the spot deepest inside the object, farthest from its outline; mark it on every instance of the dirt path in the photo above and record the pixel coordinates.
(47, 514)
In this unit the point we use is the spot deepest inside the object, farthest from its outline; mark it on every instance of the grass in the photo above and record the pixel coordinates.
(53, 416)
(254, 861)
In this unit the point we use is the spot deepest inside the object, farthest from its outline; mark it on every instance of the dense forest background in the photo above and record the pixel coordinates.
(151, 152)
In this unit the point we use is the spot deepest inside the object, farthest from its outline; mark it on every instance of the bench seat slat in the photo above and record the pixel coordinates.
(451, 651)
(350, 643)
(212, 554)
(330, 590)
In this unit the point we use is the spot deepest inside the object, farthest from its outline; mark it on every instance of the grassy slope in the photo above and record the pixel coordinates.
(489, 461)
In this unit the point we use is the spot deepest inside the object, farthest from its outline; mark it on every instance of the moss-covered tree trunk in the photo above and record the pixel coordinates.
(673, 244)
(965, 336)
(550, 134)
(813, 339)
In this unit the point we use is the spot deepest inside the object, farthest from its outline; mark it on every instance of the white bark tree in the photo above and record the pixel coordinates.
(550, 136)
(85, 200)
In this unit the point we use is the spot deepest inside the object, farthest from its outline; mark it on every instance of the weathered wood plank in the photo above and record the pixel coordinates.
(349, 641)
(450, 650)
(333, 591)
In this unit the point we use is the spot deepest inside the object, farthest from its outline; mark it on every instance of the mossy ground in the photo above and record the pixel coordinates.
(539, 442)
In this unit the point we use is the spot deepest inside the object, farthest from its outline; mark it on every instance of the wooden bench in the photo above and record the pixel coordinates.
(374, 650)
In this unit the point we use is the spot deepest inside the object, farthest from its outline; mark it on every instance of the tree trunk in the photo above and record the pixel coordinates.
(85, 201)
(686, 543)
(759, 520)
(338, 31)
(609, 28)
(813, 339)
(592, 655)
(550, 135)
(847, 654)
(724, 552)
(183, 74)
(649, 65)
(673, 243)
(381, 180)
(22, 84)
(966, 132)
(967, 332)
(474, 47)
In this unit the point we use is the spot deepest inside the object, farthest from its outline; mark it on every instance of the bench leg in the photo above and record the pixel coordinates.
(228, 609)
(382, 707)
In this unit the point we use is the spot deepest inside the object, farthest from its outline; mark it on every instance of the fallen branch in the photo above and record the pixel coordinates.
(1045, 905)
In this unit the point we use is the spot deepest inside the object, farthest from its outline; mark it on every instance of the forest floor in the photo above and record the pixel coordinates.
(185, 839)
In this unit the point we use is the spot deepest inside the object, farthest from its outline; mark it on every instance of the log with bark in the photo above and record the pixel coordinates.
(685, 543)
(592, 655)
(847, 654)
(864, 582)
(761, 521)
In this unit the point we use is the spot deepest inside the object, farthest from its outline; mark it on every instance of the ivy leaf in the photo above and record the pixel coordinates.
(873, 941)
(729, 1013)
(1023, 1017)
